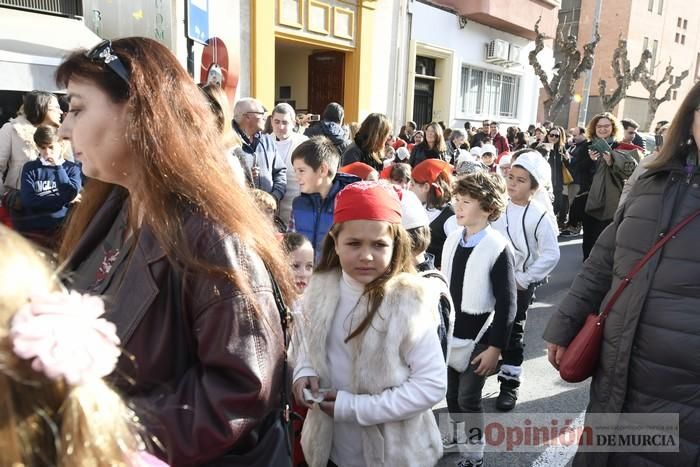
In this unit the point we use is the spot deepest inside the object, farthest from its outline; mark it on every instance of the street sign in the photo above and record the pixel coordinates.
(198, 20)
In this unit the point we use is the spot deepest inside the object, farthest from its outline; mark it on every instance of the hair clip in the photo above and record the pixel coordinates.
(64, 337)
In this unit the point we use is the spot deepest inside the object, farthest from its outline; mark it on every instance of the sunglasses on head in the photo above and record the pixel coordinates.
(102, 52)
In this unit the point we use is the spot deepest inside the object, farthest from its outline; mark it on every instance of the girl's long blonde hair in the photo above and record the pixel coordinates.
(401, 261)
(45, 422)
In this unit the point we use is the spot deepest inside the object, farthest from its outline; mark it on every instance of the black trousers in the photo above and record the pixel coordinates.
(592, 228)
(513, 355)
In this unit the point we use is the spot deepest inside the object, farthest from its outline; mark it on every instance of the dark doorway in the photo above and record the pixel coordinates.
(423, 101)
(326, 80)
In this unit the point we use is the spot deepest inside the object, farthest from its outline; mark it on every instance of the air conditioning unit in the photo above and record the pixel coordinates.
(514, 54)
(497, 51)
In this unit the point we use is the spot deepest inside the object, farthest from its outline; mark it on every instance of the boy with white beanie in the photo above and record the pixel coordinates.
(532, 232)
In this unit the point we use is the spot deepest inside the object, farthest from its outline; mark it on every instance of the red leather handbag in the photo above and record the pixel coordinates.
(581, 357)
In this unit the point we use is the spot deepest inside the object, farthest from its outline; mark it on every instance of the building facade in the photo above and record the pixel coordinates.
(468, 61)
(669, 29)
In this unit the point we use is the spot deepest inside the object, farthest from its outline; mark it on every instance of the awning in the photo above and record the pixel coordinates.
(32, 45)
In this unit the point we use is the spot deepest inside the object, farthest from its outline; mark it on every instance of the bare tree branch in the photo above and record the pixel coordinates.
(652, 86)
(623, 74)
(560, 89)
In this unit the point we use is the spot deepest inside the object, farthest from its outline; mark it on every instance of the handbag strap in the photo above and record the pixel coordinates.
(285, 318)
(665, 238)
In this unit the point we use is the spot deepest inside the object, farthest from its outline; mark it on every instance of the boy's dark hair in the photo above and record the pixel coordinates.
(420, 239)
(45, 135)
(36, 105)
(488, 189)
(316, 151)
(334, 112)
(628, 122)
(292, 241)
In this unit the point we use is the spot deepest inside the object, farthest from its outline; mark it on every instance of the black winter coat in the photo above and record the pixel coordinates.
(649, 361)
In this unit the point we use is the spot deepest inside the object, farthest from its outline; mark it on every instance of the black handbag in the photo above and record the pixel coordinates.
(274, 447)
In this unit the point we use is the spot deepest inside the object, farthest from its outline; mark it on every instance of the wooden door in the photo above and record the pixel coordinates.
(326, 80)
(423, 101)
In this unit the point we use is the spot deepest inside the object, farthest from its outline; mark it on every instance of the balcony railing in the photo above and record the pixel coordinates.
(60, 7)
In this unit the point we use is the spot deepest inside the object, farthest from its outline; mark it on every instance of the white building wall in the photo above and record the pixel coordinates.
(439, 28)
(389, 51)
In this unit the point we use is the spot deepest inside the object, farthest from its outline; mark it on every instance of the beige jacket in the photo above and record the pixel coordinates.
(16, 149)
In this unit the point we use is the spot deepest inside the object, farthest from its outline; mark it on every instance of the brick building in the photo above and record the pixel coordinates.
(667, 28)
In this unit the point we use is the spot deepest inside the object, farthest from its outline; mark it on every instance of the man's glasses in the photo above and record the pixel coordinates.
(103, 52)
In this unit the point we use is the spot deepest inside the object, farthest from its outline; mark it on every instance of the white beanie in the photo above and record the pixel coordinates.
(476, 151)
(505, 159)
(464, 156)
(412, 211)
(533, 162)
(489, 148)
(403, 154)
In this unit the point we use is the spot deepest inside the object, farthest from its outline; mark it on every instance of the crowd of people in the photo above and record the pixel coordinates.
(251, 265)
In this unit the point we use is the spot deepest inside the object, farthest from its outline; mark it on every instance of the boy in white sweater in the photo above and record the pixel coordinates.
(532, 232)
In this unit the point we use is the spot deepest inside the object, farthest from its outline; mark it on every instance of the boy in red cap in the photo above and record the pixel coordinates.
(373, 366)
(432, 183)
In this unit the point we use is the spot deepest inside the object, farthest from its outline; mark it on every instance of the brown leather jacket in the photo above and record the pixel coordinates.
(202, 387)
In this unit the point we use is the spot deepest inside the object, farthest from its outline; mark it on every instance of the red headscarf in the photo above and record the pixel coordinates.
(372, 201)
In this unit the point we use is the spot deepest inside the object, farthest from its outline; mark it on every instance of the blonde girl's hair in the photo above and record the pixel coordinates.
(401, 261)
(45, 421)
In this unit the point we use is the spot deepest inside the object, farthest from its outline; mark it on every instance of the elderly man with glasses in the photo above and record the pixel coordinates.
(268, 169)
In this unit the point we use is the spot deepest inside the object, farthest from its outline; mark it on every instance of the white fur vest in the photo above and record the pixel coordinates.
(378, 364)
(477, 290)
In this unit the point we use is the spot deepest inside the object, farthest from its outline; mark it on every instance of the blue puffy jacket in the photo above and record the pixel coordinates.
(313, 216)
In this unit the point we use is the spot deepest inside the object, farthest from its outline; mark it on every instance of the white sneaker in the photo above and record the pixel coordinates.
(470, 462)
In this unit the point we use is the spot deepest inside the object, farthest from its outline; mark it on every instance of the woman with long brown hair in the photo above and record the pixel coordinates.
(432, 147)
(368, 144)
(173, 243)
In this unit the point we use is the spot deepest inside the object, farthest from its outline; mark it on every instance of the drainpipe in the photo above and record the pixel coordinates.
(583, 110)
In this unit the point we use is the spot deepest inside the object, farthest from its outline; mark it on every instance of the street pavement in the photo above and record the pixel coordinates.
(542, 391)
